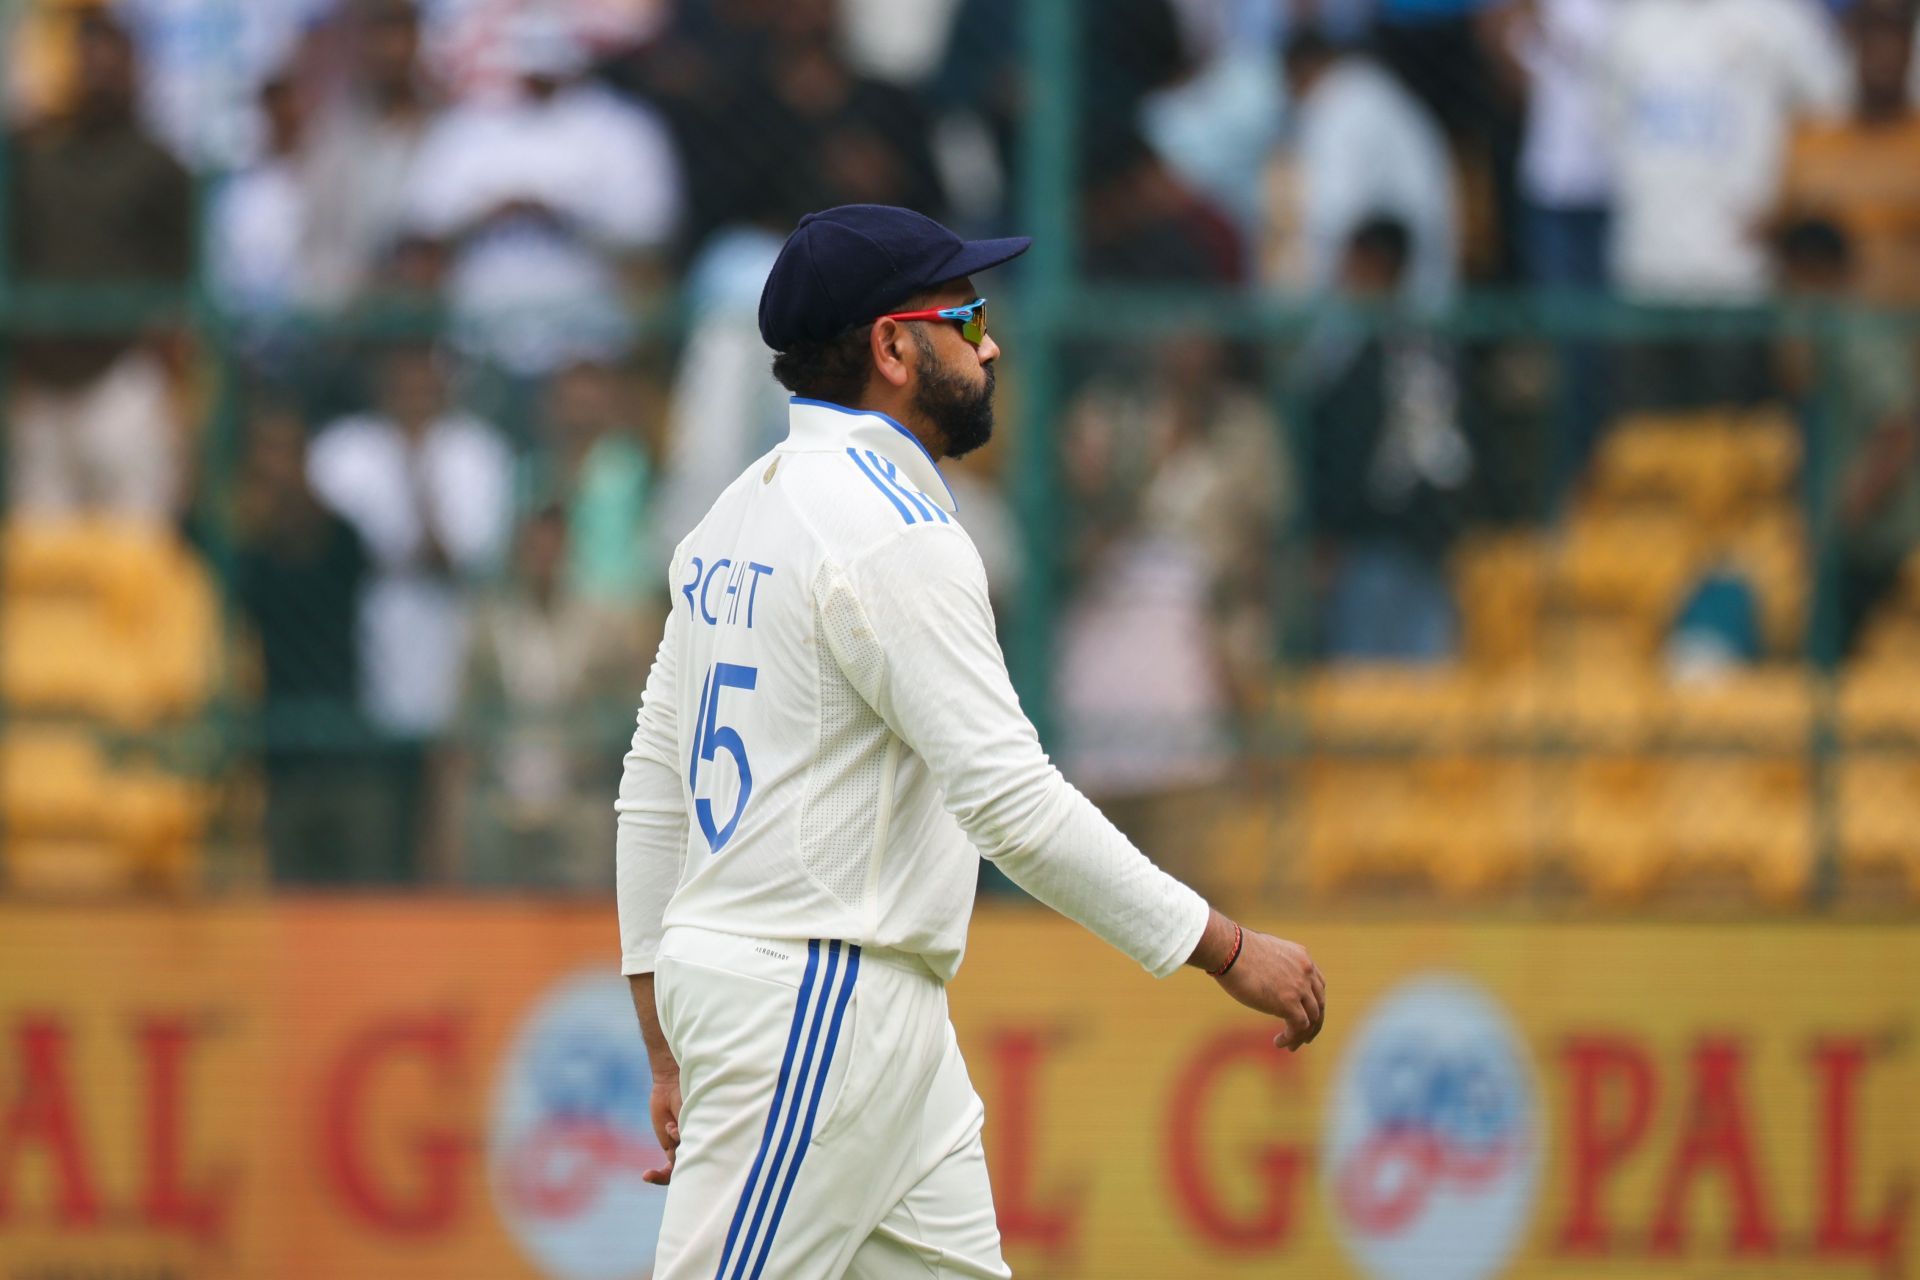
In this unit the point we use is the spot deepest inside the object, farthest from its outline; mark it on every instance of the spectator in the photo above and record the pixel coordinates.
(1703, 96)
(259, 231)
(546, 200)
(1388, 466)
(1142, 224)
(205, 62)
(547, 667)
(726, 409)
(1862, 376)
(365, 143)
(1138, 46)
(298, 574)
(1446, 52)
(1864, 172)
(1565, 181)
(1216, 127)
(95, 200)
(844, 138)
(1566, 192)
(1361, 146)
(428, 488)
(603, 481)
(1176, 480)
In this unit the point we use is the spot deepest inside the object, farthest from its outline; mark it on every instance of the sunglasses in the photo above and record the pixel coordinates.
(971, 318)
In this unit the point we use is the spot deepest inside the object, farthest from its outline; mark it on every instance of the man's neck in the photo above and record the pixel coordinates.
(916, 424)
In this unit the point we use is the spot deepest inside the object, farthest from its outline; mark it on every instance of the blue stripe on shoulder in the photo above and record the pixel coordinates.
(926, 506)
(881, 485)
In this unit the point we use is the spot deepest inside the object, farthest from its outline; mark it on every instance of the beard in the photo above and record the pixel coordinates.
(962, 411)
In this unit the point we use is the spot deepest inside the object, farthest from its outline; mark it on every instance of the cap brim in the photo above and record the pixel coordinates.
(980, 255)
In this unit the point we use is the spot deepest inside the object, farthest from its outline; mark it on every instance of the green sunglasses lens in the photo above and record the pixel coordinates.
(974, 328)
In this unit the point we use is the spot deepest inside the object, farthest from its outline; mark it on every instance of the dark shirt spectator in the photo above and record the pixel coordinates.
(1388, 466)
(299, 570)
(1864, 379)
(1864, 171)
(298, 574)
(96, 201)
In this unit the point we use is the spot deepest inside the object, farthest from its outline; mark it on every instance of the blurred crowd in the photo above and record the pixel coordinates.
(487, 272)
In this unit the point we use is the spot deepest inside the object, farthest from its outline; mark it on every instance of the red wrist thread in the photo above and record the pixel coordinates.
(1239, 936)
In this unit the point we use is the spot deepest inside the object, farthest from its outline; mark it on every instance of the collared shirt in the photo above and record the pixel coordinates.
(829, 741)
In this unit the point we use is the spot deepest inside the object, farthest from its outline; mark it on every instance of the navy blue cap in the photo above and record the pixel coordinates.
(853, 263)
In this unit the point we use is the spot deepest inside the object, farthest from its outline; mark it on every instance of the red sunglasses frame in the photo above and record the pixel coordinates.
(964, 316)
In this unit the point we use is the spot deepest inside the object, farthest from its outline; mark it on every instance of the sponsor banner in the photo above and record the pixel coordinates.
(417, 1088)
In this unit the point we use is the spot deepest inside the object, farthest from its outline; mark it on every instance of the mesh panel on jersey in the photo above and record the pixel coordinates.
(843, 785)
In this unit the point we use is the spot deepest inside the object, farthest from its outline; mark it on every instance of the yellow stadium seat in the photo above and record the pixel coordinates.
(1632, 561)
(1768, 456)
(1501, 582)
(1878, 798)
(1765, 707)
(1609, 707)
(1878, 701)
(61, 797)
(115, 622)
(68, 866)
(53, 781)
(1603, 820)
(1686, 460)
(1478, 822)
(1753, 816)
(1371, 705)
(1354, 814)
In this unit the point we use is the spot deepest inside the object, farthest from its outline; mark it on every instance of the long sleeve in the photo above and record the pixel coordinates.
(910, 624)
(650, 840)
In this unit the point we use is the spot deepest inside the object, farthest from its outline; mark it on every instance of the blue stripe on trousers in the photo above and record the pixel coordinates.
(793, 1112)
(813, 1104)
(773, 1115)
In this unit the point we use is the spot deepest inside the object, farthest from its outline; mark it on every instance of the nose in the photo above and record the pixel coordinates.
(989, 349)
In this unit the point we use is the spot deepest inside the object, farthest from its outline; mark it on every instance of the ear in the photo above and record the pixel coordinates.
(889, 346)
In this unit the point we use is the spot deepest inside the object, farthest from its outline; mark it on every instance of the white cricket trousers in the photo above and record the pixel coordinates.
(827, 1125)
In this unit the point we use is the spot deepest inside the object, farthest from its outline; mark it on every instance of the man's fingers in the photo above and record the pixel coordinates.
(1319, 982)
(658, 1177)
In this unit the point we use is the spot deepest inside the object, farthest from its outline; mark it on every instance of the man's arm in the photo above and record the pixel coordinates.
(650, 835)
(910, 625)
(650, 846)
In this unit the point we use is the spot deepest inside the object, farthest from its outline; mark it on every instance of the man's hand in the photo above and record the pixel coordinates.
(1279, 977)
(1271, 975)
(664, 1107)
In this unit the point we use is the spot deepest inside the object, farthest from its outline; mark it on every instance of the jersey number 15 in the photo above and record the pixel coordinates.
(710, 736)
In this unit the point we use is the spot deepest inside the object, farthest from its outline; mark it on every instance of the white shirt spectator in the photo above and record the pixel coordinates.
(413, 622)
(727, 408)
(1702, 96)
(258, 224)
(1365, 147)
(1563, 158)
(533, 294)
(202, 62)
(358, 174)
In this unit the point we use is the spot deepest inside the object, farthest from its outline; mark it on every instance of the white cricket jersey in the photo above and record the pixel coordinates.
(828, 740)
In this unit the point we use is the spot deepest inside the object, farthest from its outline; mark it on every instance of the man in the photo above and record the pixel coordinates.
(828, 725)
(546, 200)
(95, 201)
(1863, 172)
(1360, 145)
